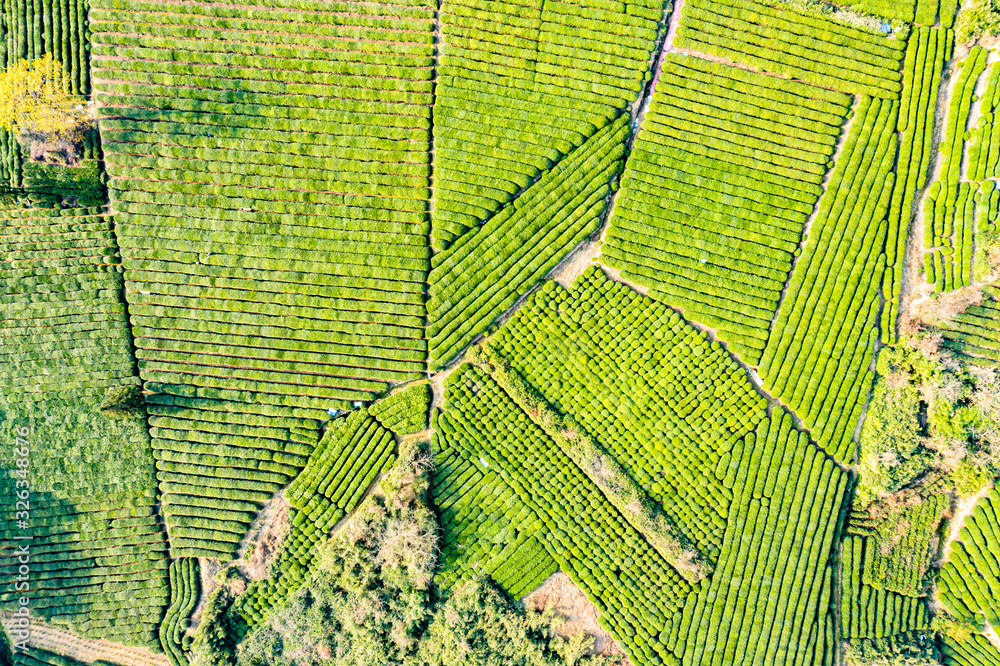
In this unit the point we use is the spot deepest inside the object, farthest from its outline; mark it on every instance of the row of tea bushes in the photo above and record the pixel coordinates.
(821, 344)
(520, 86)
(984, 140)
(489, 268)
(950, 204)
(98, 550)
(975, 333)
(926, 52)
(273, 228)
(185, 590)
(804, 46)
(728, 166)
(976, 651)
(668, 404)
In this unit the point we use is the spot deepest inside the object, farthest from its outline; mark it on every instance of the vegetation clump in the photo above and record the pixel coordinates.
(370, 599)
(122, 401)
(37, 105)
(930, 417)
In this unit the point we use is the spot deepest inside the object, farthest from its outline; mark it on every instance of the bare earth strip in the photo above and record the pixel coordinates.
(88, 650)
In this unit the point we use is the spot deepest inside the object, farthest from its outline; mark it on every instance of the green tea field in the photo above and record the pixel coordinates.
(489, 332)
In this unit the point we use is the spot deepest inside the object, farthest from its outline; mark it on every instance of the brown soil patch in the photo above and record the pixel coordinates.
(559, 593)
(272, 531)
(940, 310)
(576, 263)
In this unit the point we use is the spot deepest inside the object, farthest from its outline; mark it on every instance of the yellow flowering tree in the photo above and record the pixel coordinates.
(36, 104)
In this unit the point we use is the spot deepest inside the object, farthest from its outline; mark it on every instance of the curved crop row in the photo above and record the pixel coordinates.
(185, 589)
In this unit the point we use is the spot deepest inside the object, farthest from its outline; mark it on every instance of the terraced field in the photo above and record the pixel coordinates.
(340, 326)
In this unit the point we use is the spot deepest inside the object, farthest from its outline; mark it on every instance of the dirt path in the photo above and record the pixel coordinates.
(961, 510)
(88, 650)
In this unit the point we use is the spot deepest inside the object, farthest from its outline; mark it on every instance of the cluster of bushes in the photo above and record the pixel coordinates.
(798, 45)
(645, 385)
(404, 412)
(185, 589)
(565, 70)
(890, 9)
(485, 271)
(725, 172)
(901, 525)
(817, 356)
(929, 417)
(926, 52)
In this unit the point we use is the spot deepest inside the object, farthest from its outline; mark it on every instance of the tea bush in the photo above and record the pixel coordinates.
(273, 227)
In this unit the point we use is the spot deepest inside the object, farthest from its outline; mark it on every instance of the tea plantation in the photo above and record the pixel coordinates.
(534, 332)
